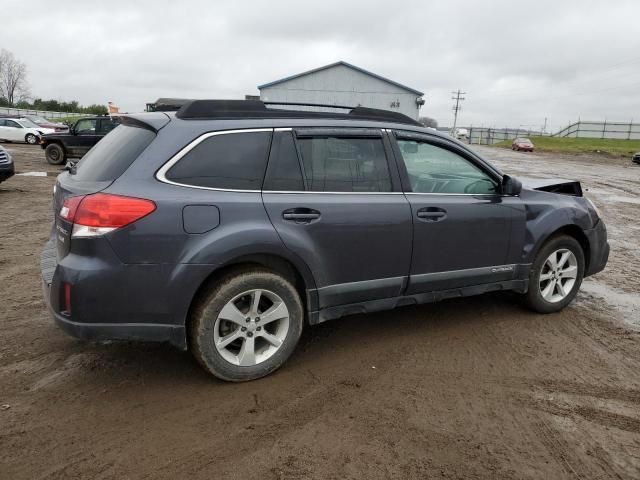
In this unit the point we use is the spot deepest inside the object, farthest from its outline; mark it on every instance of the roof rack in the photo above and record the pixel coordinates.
(219, 109)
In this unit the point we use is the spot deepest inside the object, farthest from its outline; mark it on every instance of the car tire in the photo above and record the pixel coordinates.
(31, 139)
(553, 288)
(228, 337)
(55, 154)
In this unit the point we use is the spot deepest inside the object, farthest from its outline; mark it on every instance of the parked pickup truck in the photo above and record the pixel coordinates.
(83, 135)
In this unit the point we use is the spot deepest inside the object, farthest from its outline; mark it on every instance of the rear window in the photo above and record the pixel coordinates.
(345, 164)
(112, 155)
(232, 161)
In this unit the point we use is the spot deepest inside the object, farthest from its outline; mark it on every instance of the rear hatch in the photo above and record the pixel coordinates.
(98, 169)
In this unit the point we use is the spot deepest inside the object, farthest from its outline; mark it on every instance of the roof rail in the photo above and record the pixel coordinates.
(218, 109)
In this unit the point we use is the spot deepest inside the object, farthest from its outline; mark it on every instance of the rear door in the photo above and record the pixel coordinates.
(335, 202)
(462, 223)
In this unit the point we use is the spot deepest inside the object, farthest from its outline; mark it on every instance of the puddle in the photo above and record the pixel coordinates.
(626, 303)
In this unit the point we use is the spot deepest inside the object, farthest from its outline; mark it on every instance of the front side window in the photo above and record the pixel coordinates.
(337, 164)
(234, 161)
(86, 126)
(434, 169)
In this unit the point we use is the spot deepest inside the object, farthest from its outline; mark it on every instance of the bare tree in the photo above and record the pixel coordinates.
(13, 78)
(429, 122)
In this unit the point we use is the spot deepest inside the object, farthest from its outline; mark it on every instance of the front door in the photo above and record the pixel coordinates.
(13, 131)
(333, 200)
(462, 224)
(85, 137)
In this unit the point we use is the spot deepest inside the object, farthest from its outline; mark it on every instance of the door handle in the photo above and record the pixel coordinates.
(432, 214)
(301, 215)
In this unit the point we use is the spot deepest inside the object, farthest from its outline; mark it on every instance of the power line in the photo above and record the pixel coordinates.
(457, 107)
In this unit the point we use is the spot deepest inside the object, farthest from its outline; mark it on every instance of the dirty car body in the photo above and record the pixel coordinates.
(407, 234)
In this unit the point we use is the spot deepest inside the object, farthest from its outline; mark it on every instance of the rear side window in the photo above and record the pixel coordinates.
(336, 164)
(112, 155)
(231, 161)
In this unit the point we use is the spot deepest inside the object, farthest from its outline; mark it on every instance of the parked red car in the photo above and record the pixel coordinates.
(522, 144)
(44, 123)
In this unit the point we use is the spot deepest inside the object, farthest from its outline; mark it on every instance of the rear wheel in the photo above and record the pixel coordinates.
(556, 275)
(31, 139)
(55, 154)
(247, 326)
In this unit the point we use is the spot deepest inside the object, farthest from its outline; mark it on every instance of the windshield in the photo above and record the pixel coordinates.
(37, 119)
(26, 123)
(523, 140)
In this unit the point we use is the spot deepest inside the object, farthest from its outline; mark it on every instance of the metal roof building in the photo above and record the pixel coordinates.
(341, 83)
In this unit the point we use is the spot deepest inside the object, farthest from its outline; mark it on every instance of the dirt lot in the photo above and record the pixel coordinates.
(471, 388)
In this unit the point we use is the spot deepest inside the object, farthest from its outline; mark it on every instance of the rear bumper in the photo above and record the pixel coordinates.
(92, 320)
(598, 248)
(143, 332)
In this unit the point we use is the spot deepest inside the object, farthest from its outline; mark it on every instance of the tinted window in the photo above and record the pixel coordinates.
(112, 155)
(434, 169)
(11, 123)
(3, 123)
(283, 172)
(235, 161)
(335, 164)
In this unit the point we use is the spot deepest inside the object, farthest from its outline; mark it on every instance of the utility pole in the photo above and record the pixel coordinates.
(457, 96)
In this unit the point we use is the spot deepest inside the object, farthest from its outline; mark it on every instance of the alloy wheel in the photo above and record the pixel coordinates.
(558, 275)
(251, 327)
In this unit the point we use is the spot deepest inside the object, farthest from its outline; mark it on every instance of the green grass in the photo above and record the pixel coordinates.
(616, 148)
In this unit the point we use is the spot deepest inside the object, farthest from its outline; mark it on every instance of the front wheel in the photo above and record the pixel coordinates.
(31, 139)
(247, 326)
(556, 275)
(55, 154)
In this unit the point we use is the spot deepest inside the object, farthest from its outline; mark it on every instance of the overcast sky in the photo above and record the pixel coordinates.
(519, 62)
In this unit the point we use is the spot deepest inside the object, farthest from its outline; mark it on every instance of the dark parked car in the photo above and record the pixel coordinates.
(6, 165)
(83, 135)
(43, 122)
(228, 226)
(636, 158)
(523, 144)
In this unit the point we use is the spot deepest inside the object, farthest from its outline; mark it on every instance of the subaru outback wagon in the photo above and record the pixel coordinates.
(228, 226)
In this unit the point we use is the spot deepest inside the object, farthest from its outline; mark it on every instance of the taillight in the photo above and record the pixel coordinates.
(100, 213)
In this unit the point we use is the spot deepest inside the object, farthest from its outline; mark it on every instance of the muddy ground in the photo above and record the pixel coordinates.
(469, 388)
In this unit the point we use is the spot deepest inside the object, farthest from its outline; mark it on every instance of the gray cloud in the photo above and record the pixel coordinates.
(519, 62)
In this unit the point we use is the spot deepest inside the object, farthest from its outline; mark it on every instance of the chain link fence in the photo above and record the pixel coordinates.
(41, 113)
(611, 130)
(580, 129)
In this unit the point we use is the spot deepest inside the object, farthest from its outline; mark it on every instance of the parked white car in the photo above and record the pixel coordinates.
(21, 130)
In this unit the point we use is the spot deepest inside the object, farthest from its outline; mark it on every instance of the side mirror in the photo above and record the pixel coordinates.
(511, 186)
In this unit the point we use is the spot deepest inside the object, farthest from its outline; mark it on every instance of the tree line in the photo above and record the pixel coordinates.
(15, 91)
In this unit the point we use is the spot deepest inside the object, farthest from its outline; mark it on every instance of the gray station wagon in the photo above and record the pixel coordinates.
(228, 226)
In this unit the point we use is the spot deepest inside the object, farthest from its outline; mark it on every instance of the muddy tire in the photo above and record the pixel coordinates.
(556, 275)
(247, 325)
(55, 154)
